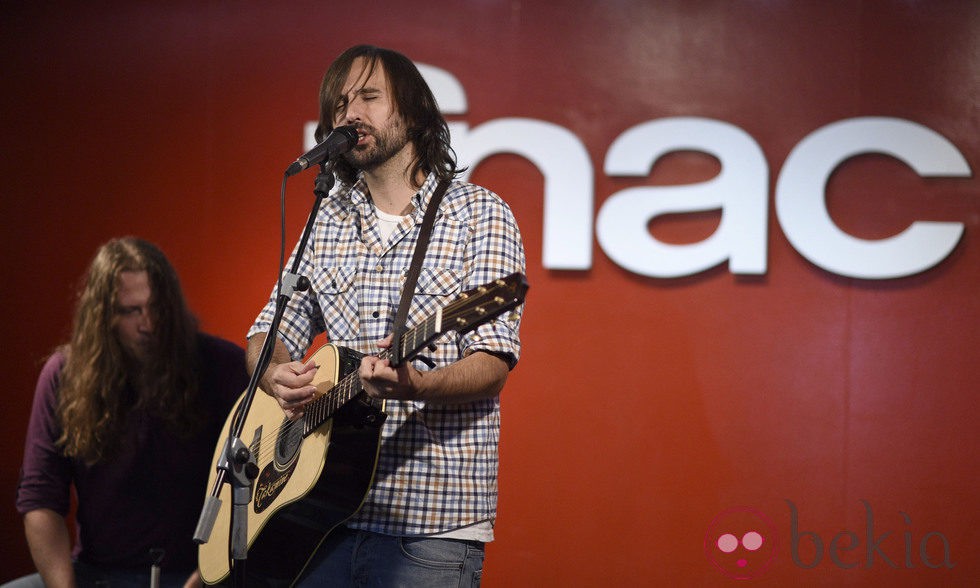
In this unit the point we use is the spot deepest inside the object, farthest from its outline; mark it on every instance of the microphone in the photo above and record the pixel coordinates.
(339, 141)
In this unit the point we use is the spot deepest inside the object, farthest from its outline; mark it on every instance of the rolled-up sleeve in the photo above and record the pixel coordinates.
(45, 476)
(496, 251)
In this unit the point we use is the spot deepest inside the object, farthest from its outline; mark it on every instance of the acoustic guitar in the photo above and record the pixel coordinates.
(314, 472)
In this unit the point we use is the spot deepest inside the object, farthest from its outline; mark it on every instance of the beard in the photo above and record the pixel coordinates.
(143, 361)
(387, 143)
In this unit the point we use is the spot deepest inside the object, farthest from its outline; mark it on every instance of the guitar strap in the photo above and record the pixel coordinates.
(408, 291)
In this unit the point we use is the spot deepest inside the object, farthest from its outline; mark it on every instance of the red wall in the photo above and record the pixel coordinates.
(647, 413)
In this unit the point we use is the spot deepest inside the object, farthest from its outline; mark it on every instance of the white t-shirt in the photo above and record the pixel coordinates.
(387, 223)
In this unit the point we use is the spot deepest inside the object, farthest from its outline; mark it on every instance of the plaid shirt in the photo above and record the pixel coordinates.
(437, 468)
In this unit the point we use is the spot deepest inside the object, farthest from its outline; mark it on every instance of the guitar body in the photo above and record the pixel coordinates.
(307, 484)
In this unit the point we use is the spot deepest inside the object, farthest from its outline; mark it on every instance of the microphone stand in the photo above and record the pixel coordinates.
(237, 461)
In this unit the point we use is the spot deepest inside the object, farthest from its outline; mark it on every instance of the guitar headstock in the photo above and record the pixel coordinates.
(479, 305)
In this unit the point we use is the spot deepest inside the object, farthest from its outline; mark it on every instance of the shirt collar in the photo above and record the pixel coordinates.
(421, 198)
(357, 195)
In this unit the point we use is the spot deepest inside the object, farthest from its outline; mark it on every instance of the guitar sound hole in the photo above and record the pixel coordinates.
(288, 443)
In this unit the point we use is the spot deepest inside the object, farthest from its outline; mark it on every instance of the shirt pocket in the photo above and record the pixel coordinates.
(336, 294)
(437, 287)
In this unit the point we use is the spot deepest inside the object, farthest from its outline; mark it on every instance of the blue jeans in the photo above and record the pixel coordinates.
(361, 559)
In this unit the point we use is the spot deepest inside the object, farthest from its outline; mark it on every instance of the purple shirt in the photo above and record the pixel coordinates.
(150, 495)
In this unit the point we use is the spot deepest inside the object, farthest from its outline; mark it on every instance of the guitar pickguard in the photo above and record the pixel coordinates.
(269, 484)
(275, 475)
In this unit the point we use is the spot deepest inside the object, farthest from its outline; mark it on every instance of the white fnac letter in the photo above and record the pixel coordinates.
(740, 191)
(568, 182)
(802, 209)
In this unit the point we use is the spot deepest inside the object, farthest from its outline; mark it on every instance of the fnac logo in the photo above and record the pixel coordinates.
(741, 542)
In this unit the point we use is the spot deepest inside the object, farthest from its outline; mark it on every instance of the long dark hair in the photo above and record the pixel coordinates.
(92, 405)
(414, 102)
